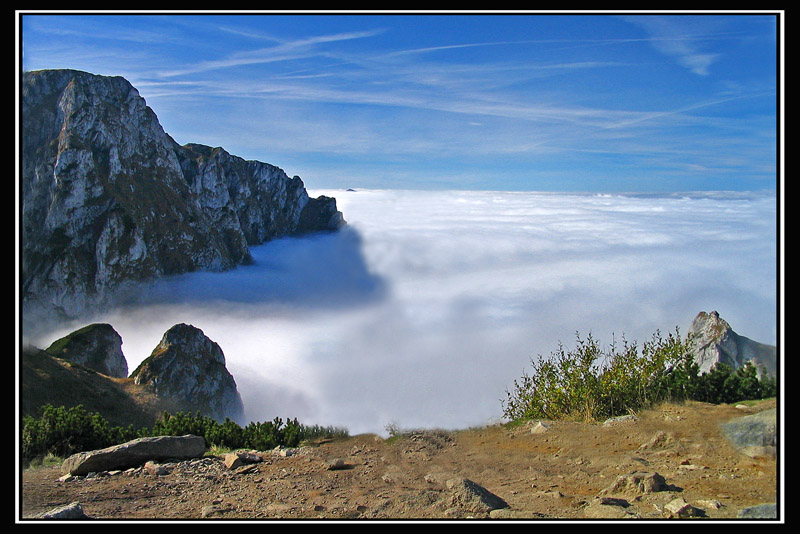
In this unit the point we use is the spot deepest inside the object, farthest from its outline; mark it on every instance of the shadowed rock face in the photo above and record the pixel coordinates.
(712, 340)
(97, 346)
(109, 199)
(189, 368)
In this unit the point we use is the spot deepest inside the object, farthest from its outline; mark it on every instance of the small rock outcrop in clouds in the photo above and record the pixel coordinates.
(97, 346)
(188, 368)
(712, 340)
(110, 200)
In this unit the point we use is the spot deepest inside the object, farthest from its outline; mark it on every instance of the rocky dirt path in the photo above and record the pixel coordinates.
(684, 467)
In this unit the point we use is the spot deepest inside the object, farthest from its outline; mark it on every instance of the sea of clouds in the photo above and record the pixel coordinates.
(428, 306)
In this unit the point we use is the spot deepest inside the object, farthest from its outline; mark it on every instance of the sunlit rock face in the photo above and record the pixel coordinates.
(712, 340)
(109, 199)
(188, 368)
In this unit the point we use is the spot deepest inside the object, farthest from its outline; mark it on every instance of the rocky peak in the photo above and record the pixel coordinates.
(189, 368)
(712, 340)
(109, 199)
(97, 347)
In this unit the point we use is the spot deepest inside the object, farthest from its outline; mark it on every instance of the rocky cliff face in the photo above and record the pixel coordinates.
(712, 340)
(109, 199)
(97, 346)
(188, 368)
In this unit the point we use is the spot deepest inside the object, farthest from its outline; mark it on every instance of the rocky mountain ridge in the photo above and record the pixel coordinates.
(109, 199)
(185, 372)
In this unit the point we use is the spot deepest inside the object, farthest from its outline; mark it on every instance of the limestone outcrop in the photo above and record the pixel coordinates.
(97, 346)
(189, 369)
(109, 199)
(712, 340)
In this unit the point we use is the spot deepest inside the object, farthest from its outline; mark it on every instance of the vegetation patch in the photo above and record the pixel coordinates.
(589, 383)
(62, 432)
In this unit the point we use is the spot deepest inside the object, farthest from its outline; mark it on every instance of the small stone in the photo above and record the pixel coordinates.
(336, 464)
(680, 508)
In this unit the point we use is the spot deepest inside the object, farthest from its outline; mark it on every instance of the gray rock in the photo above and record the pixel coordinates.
(712, 340)
(754, 435)
(188, 368)
(97, 346)
(760, 511)
(135, 453)
(72, 510)
(471, 497)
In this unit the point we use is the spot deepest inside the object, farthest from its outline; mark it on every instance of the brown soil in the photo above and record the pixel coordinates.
(555, 474)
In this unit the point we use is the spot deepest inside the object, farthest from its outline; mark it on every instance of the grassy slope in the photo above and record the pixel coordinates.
(49, 380)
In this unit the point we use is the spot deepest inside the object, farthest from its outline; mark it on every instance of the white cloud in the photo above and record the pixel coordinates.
(428, 308)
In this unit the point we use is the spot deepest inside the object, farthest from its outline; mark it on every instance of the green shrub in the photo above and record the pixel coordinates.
(589, 384)
(62, 432)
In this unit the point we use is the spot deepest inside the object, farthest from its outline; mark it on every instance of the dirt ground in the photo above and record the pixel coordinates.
(556, 474)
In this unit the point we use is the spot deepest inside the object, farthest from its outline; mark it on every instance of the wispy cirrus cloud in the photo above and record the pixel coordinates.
(678, 37)
(288, 50)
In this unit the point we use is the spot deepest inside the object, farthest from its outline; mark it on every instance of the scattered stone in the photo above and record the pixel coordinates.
(471, 497)
(608, 508)
(135, 453)
(155, 469)
(507, 513)
(620, 419)
(713, 504)
(540, 427)
(234, 460)
(336, 464)
(680, 508)
(72, 510)
(637, 483)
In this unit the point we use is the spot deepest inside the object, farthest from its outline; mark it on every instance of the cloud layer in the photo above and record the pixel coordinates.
(432, 303)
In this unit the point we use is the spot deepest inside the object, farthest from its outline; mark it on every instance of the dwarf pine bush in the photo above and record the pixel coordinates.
(589, 383)
(62, 432)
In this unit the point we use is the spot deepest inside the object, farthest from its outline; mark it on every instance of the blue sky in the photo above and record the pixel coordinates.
(577, 102)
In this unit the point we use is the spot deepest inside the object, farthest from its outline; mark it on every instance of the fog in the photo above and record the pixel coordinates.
(428, 306)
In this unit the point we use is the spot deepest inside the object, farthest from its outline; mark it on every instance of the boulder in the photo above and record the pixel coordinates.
(97, 347)
(73, 510)
(135, 453)
(471, 497)
(188, 368)
(754, 435)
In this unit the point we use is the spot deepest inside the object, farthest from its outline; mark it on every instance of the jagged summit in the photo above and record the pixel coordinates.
(110, 199)
(712, 341)
(189, 368)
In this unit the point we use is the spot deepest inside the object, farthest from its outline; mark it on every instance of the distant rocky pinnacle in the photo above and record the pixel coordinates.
(110, 200)
(712, 340)
(189, 369)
